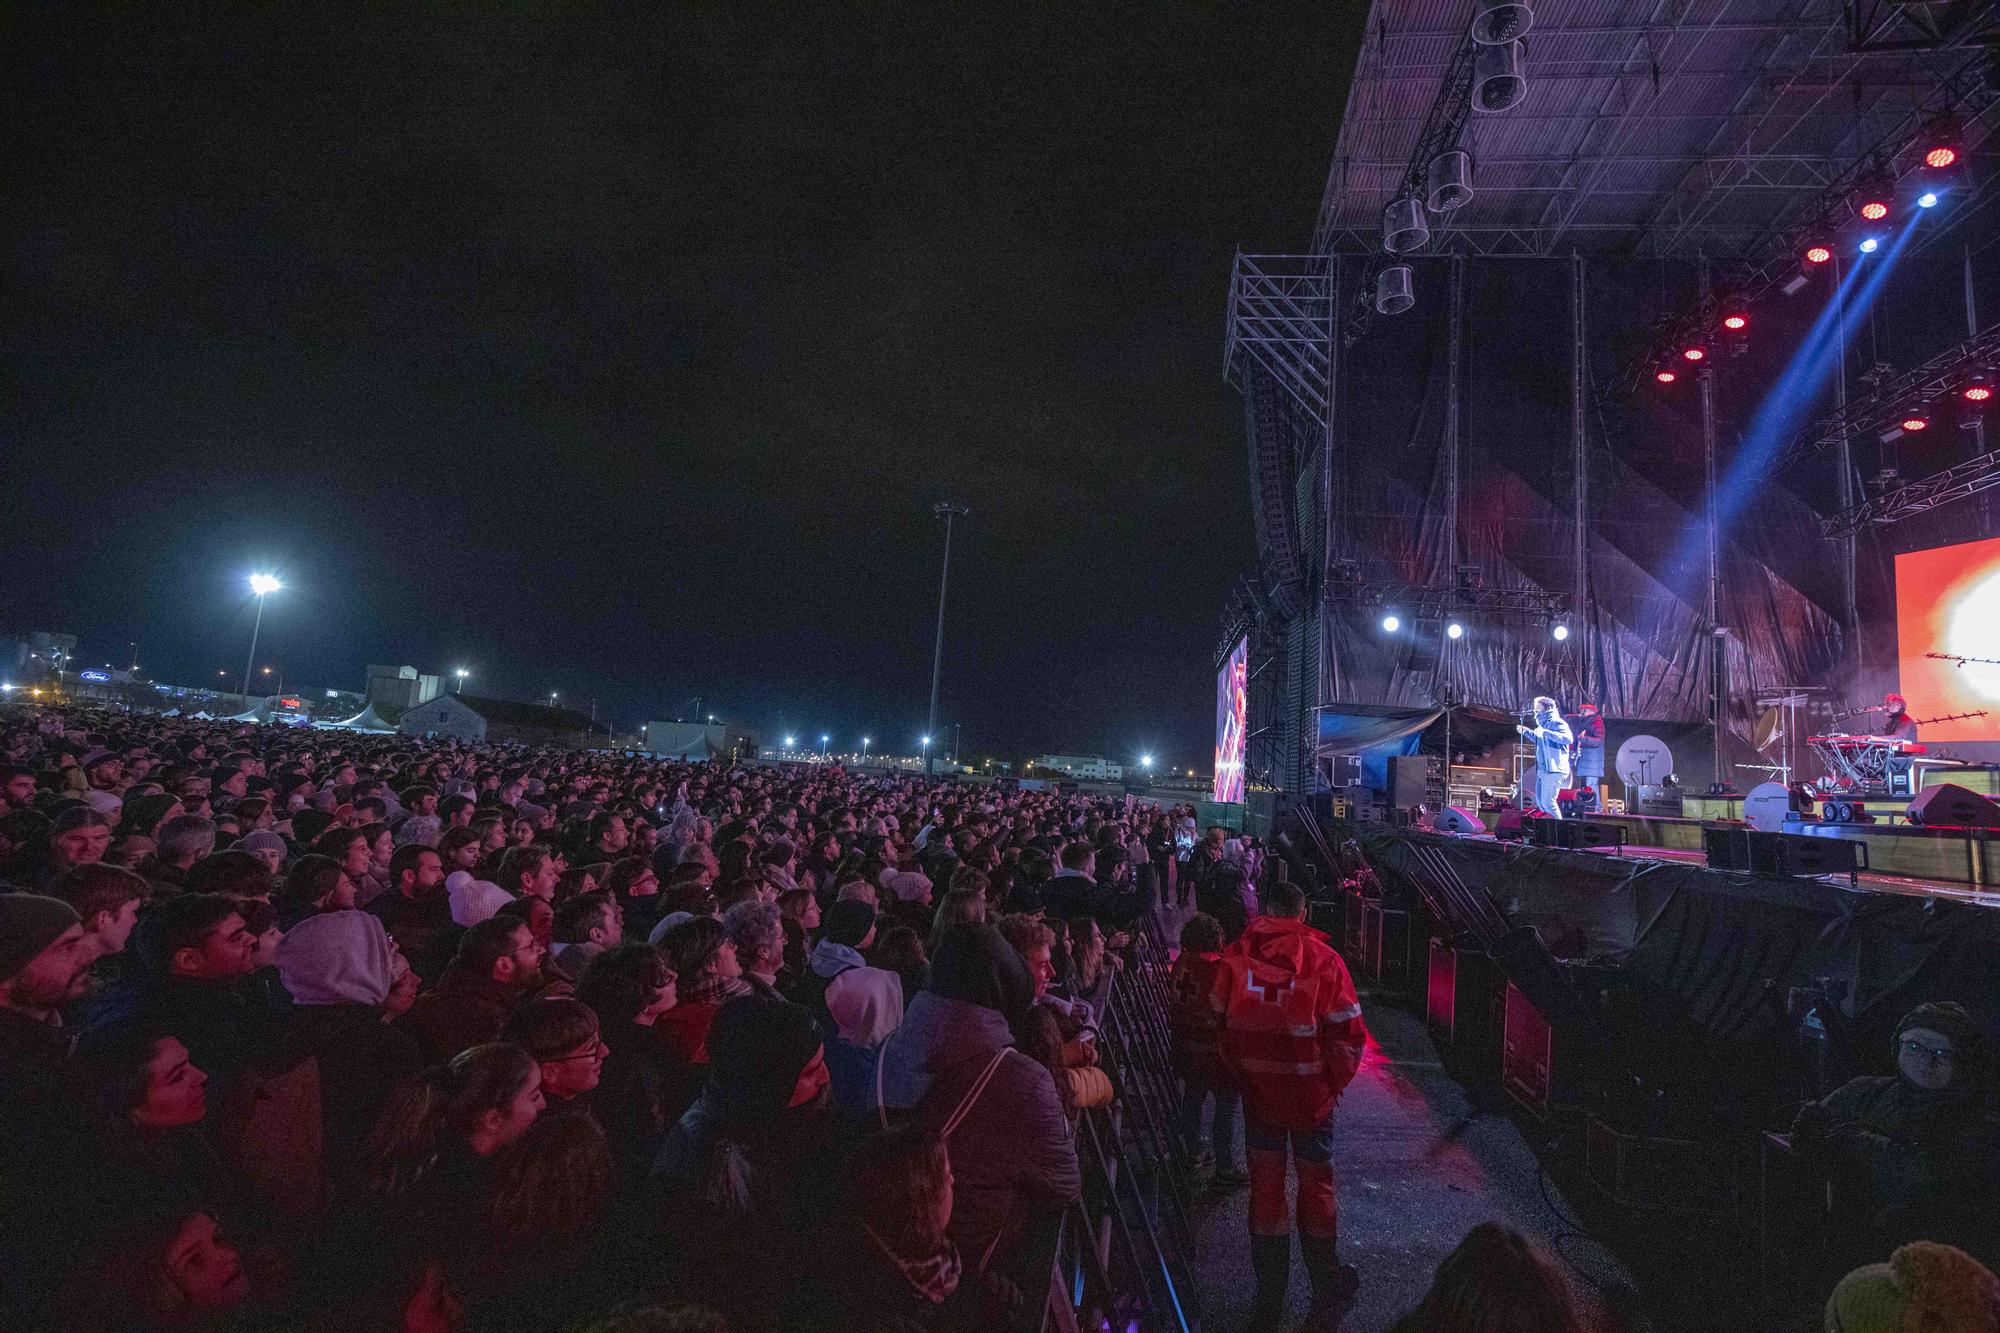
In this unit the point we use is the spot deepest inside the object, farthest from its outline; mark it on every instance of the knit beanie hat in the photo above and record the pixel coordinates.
(29, 923)
(142, 814)
(424, 830)
(756, 1050)
(1925, 1287)
(909, 886)
(1968, 1043)
(848, 922)
(336, 958)
(307, 825)
(263, 839)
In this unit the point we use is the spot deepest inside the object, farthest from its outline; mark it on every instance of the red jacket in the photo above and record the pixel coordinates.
(1289, 1022)
(1193, 1022)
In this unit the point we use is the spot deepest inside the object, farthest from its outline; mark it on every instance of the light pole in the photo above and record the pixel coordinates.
(956, 728)
(947, 511)
(864, 749)
(461, 673)
(263, 585)
(553, 696)
(823, 739)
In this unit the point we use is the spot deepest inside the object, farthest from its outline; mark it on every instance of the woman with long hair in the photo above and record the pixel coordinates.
(1496, 1281)
(313, 885)
(642, 1089)
(963, 902)
(798, 910)
(439, 1129)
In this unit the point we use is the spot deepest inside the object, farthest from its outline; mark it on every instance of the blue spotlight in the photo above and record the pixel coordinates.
(1928, 199)
(1870, 244)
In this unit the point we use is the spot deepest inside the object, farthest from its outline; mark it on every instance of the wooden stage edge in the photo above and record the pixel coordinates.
(1959, 864)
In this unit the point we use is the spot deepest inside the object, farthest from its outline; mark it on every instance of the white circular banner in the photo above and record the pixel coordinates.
(1644, 761)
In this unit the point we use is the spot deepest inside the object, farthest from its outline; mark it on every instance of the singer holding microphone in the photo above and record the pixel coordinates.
(1553, 739)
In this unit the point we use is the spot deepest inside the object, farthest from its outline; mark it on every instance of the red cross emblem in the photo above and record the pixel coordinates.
(1273, 991)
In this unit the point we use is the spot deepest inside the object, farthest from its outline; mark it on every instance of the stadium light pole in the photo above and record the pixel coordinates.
(949, 512)
(461, 673)
(263, 585)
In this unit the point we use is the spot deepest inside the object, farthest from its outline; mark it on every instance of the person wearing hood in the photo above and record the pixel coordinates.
(848, 928)
(1289, 1033)
(1917, 1153)
(953, 1063)
(744, 1176)
(865, 1005)
(339, 968)
(1923, 1286)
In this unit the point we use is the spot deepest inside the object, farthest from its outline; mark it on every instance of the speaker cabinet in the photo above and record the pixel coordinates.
(1949, 805)
(1458, 819)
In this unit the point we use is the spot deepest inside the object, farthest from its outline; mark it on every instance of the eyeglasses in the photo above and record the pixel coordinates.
(1938, 1055)
(596, 1049)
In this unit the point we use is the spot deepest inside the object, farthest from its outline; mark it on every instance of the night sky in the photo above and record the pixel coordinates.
(624, 354)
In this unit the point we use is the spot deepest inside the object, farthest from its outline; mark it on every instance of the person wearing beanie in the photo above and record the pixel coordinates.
(1924, 1288)
(848, 928)
(43, 957)
(1915, 1155)
(762, 1126)
(266, 846)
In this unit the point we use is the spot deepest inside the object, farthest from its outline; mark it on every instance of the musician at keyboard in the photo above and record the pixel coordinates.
(1896, 724)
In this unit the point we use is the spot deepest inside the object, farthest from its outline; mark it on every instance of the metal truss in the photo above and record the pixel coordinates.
(1938, 378)
(1281, 318)
(1919, 497)
(1431, 599)
(1896, 27)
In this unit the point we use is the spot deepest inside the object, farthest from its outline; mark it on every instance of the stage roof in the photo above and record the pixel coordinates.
(1650, 126)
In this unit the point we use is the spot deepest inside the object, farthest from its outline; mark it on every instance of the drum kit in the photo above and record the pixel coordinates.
(1856, 765)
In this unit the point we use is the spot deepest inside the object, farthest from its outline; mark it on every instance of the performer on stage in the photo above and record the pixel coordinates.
(1589, 730)
(1552, 741)
(1897, 724)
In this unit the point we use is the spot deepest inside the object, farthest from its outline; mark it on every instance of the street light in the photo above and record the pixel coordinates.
(824, 738)
(790, 741)
(864, 747)
(262, 585)
(461, 673)
(1146, 761)
(553, 696)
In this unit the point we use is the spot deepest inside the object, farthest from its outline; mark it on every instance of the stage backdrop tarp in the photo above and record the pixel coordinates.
(1375, 734)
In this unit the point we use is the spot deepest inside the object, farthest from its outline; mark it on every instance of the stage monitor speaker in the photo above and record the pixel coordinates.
(1458, 819)
(1949, 805)
(1574, 833)
(1728, 847)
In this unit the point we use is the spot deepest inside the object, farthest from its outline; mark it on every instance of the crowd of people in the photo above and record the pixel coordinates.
(303, 1029)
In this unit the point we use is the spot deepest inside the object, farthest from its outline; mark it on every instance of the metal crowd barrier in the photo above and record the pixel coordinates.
(1123, 1257)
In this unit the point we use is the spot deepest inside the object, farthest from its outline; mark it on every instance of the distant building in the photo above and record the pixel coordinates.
(468, 717)
(37, 656)
(699, 741)
(1094, 768)
(399, 686)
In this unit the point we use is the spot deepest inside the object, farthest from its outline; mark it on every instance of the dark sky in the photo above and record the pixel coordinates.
(624, 354)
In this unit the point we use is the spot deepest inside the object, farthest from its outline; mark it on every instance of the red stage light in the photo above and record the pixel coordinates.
(1916, 423)
(1978, 393)
(1665, 376)
(1694, 353)
(1874, 210)
(1940, 157)
(1734, 322)
(1819, 254)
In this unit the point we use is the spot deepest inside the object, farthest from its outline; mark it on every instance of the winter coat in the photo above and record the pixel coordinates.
(1011, 1149)
(465, 1010)
(361, 1060)
(1194, 1023)
(1289, 1024)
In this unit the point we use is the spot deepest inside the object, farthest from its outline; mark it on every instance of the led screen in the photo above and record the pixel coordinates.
(1231, 691)
(1948, 601)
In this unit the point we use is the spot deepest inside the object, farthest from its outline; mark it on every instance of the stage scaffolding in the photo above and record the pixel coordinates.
(1708, 140)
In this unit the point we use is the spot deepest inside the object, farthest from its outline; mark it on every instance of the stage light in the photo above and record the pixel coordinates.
(1937, 159)
(1694, 352)
(261, 584)
(1928, 199)
(790, 741)
(1915, 422)
(1978, 389)
(1870, 244)
(1391, 623)
(1818, 254)
(1665, 376)
(1454, 630)
(1734, 322)
(1560, 631)
(1874, 210)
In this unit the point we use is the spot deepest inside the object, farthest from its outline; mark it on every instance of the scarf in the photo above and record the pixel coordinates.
(714, 989)
(933, 1277)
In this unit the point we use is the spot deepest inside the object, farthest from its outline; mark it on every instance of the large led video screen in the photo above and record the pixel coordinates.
(1232, 688)
(1948, 602)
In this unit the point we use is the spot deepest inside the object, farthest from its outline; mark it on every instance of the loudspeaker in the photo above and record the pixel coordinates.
(1345, 770)
(1574, 833)
(1457, 819)
(1948, 805)
(1658, 800)
(1728, 847)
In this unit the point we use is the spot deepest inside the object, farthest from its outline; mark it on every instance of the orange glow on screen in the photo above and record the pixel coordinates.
(1948, 601)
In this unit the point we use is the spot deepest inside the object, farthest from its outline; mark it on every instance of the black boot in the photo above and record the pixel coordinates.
(1333, 1282)
(1271, 1262)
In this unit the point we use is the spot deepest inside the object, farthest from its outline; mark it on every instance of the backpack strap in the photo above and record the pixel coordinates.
(973, 1093)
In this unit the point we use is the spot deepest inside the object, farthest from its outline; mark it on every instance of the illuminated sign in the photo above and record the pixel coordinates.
(95, 675)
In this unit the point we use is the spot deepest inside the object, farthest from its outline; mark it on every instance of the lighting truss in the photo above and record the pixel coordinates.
(1939, 378)
(1896, 26)
(1281, 316)
(1774, 258)
(1919, 497)
(1420, 600)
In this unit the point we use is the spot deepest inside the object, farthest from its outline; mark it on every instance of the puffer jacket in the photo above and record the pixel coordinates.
(1011, 1149)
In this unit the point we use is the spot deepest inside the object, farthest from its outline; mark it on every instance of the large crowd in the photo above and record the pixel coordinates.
(307, 1029)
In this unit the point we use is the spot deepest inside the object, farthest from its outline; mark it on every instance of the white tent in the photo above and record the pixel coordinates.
(365, 720)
